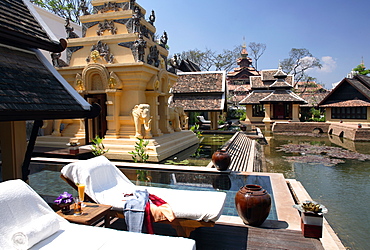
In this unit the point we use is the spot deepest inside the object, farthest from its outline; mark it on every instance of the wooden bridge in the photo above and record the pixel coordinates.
(243, 151)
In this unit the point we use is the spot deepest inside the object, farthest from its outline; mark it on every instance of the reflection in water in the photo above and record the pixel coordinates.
(221, 182)
(342, 188)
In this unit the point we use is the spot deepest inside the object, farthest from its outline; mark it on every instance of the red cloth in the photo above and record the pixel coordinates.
(156, 200)
(149, 219)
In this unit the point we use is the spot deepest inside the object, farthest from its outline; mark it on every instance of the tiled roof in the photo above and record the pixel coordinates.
(311, 87)
(249, 71)
(256, 82)
(268, 78)
(360, 85)
(199, 82)
(348, 103)
(255, 97)
(280, 83)
(28, 88)
(200, 91)
(200, 102)
(239, 87)
(312, 99)
(282, 95)
(19, 28)
(268, 75)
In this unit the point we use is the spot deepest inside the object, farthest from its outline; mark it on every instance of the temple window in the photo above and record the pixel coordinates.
(349, 113)
(258, 110)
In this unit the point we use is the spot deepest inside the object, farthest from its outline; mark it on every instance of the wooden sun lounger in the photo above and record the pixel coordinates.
(183, 227)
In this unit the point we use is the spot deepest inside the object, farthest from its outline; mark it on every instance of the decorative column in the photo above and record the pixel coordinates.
(214, 120)
(295, 112)
(152, 100)
(267, 120)
(13, 141)
(113, 113)
(248, 113)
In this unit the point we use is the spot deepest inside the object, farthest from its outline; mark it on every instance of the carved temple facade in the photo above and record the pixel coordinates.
(118, 64)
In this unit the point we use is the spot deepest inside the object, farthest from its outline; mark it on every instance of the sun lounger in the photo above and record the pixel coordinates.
(106, 184)
(27, 222)
(202, 120)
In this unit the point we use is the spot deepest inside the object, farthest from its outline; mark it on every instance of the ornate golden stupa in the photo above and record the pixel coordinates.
(119, 64)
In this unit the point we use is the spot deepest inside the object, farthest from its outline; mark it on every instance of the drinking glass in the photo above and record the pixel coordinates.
(78, 208)
(81, 193)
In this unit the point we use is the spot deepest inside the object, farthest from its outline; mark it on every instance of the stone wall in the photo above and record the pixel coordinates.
(300, 127)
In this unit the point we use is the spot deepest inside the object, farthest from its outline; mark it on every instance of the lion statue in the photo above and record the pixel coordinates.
(178, 118)
(141, 115)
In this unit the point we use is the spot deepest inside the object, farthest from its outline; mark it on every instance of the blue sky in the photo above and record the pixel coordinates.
(335, 31)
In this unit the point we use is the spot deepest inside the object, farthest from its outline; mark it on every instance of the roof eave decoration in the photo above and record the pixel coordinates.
(348, 80)
(94, 111)
(23, 41)
(21, 26)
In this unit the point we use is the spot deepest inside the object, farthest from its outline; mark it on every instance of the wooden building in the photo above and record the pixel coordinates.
(30, 88)
(349, 101)
(203, 92)
(272, 98)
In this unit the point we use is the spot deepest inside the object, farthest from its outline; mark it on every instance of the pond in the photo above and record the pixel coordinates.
(199, 154)
(343, 187)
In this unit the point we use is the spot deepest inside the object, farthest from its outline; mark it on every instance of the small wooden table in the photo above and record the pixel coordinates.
(91, 213)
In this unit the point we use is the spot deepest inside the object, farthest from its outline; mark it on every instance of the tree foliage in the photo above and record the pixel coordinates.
(211, 60)
(361, 69)
(256, 50)
(299, 61)
(63, 8)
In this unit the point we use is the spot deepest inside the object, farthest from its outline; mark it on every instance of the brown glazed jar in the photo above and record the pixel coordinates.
(253, 204)
(221, 159)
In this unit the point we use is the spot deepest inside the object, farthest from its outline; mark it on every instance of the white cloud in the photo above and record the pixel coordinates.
(328, 64)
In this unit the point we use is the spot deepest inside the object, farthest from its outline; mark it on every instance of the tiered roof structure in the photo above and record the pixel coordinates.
(239, 80)
(272, 86)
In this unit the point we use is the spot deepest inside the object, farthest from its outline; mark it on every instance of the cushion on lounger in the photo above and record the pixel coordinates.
(106, 184)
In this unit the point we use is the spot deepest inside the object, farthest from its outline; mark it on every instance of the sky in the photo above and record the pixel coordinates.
(335, 31)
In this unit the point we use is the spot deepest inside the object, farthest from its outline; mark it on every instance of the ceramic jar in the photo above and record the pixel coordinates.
(253, 204)
(221, 160)
(66, 208)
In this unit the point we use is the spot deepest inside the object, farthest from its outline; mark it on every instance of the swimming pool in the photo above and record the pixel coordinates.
(46, 181)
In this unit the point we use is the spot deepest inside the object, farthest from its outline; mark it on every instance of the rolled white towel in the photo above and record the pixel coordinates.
(34, 232)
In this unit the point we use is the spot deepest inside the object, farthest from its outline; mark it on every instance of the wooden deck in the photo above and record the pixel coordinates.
(242, 151)
(230, 237)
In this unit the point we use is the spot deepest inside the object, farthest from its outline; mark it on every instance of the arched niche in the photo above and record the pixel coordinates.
(153, 84)
(96, 77)
(163, 79)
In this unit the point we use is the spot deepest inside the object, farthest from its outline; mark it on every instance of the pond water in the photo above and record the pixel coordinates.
(343, 188)
(199, 154)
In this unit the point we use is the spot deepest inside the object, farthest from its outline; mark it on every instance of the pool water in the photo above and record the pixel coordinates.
(47, 182)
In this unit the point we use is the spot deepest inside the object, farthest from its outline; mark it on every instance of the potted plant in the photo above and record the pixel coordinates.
(312, 214)
(64, 201)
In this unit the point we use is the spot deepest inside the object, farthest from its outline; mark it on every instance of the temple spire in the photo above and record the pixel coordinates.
(244, 53)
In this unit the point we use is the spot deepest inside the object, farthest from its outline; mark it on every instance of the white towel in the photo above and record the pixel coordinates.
(34, 232)
(106, 184)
